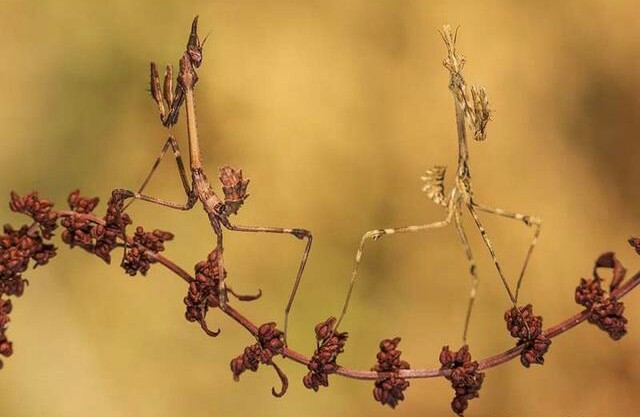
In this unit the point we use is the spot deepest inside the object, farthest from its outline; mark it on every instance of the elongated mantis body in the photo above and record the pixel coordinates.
(197, 187)
(472, 110)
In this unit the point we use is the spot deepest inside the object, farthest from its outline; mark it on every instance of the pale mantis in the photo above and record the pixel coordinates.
(472, 110)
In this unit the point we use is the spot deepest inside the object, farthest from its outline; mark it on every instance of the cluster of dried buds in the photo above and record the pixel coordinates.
(204, 290)
(605, 311)
(330, 344)
(270, 343)
(389, 389)
(527, 328)
(6, 347)
(40, 210)
(115, 222)
(100, 236)
(18, 247)
(463, 374)
(79, 230)
(140, 256)
(82, 230)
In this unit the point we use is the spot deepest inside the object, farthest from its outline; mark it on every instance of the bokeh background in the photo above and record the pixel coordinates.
(333, 109)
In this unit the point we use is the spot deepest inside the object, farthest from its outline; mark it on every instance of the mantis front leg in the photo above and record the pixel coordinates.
(171, 142)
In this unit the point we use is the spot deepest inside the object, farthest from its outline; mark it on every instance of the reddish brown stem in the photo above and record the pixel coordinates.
(486, 363)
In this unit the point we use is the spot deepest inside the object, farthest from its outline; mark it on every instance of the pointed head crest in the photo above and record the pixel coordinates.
(194, 47)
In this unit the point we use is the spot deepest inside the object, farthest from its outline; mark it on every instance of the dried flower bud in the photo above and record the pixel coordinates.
(269, 345)
(116, 220)
(527, 328)
(81, 204)
(17, 249)
(608, 316)
(6, 347)
(463, 374)
(40, 210)
(270, 339)
(204, 291)
(138, 258)
(604, 311)
(323, 361)
(389, 390)
(325, 328)
(80, 231)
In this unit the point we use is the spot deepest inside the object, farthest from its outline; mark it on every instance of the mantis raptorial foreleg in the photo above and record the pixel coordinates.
(171, 142)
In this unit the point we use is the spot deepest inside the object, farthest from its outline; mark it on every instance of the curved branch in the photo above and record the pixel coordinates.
(484, 364)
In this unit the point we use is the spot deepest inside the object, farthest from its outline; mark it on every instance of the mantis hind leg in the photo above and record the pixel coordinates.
(298, 233)
(526, 219)
(472, 270)
(375, 235)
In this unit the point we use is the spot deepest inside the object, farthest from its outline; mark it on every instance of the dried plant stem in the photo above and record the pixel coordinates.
(292, 354)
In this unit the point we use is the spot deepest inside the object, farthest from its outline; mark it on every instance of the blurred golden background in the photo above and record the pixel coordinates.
(333, 109)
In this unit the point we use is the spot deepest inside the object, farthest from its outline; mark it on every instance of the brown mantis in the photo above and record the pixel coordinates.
(234, 186)
(472, 110)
